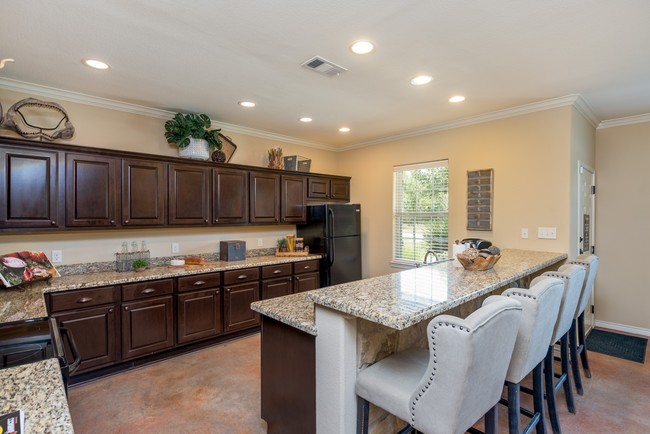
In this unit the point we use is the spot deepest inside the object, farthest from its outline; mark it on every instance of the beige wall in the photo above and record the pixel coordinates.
(622, 216)
(530, 155)
(99, 127)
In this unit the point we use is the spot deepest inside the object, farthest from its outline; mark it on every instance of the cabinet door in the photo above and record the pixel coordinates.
(199, 315)
(94, 333)
(189, 195)
(91, 190)
(294, 196)
(306, 282)
(28, 189)
(143, 193)
(340, 189)
(276, 287)
(318, 188)
(147, 326)
(265, 197)
(230, 196)
(237, 306)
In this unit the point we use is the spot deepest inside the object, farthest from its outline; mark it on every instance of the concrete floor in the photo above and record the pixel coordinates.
(217, 390)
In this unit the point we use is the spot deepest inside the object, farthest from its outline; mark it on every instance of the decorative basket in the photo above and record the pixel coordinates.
(478, 264)
(198, 149)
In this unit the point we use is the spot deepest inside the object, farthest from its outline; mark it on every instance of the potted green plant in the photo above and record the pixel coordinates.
(140, 265)
(191, 134)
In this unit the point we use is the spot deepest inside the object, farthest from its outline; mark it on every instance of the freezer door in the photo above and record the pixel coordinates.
(344, 259)
(343, 220)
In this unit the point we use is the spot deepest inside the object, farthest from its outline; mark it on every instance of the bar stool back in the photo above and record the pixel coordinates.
(448, 387)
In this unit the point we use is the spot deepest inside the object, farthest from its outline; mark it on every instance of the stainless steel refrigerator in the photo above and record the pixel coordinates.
(334, 230)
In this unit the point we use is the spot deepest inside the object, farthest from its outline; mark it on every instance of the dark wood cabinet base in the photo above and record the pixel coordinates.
(288, 378)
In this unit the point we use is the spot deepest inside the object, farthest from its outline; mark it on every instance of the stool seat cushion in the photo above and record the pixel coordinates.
(390, 384)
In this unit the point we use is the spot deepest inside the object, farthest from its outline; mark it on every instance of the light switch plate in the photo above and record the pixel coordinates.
(175, 248)
(57, 256)
(547, 233)
(524, 232)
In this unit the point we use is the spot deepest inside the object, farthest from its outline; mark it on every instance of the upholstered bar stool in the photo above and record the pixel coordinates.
(541, 305)
(577, 346)
(448, 387)
(573, 277)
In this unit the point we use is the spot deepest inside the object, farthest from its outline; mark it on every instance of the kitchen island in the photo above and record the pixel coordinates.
(358, 323)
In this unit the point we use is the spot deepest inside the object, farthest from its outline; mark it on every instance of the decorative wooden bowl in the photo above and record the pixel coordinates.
(478, 264)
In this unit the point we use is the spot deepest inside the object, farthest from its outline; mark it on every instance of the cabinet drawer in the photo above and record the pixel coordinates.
(68, 300)
(200, 281)
(240, 276)
(271, 271)
(136, 291)
(306, 266)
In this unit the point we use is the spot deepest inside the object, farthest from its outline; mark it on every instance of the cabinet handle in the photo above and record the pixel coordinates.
(205, 221)
(84, 300)
(277, 271)
(242, 276)
(110, 310)
(126, 222)
(227, 289)
(216, 220)
(126, 307)
(112, 222)
(148, 291)
(298, 278)
(53, 223)
(306, 267)
(199, 283)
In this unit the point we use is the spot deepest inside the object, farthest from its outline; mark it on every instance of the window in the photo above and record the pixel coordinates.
(420, 208)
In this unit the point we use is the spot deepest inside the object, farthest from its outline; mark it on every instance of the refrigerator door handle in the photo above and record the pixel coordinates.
(330, 253)
(330, 222)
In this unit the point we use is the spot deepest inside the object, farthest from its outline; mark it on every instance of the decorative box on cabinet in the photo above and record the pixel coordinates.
(91, 316)
(147, 318)
(199, 307)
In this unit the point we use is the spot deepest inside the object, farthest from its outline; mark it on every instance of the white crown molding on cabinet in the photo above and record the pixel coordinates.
(95, 101)
(629, 120)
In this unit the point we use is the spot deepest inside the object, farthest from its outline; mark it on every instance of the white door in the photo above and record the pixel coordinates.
(586, 225)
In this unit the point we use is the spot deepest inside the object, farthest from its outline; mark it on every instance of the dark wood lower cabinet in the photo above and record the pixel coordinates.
(94, 333)
(277, 287)
(199, 315)
(288, 378)
(237, 306)
(147, 326)
(306, 282)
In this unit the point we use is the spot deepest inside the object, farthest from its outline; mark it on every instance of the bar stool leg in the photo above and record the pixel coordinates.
(573, 350)
(363, 408)
(564, 379)
(583, 347)
(549, 383)
(538, 398)
(514, 408)
(492, 420)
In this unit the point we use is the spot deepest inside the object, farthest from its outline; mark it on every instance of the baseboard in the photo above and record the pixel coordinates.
(623, 328)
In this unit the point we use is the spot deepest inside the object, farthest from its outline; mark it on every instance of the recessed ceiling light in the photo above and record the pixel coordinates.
(421, 79)
(305, 119)
(247, 104)
(457, 98)
(97, 64)
(362, 47)
(344, 129)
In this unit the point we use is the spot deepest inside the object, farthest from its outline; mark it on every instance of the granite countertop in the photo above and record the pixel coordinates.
(295, 310)
(23, 303)
(37, 389)
(405, 298)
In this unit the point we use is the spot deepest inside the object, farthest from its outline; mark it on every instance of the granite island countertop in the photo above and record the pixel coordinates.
(37, 389)
(28, 302)
(405, 298)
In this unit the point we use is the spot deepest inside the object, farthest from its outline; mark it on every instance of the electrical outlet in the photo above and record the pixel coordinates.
(260, 242)
(57, 256)
(524, 232)
(176, 248)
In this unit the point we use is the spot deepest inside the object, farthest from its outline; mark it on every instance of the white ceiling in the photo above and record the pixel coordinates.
(206, 55)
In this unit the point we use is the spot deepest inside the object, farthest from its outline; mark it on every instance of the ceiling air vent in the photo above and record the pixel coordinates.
(323, 66)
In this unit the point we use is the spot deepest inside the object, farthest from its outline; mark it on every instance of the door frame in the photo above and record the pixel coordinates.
(589, 315)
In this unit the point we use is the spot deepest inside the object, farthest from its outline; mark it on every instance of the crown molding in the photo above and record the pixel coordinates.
(629, 120)
(95, 101)
(583, 108)
(487, 117)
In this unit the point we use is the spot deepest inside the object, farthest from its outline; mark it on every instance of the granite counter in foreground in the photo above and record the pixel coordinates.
(37, 389)
(294, 310)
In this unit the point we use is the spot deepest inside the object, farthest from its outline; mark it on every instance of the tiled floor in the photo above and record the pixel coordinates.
(217, 390)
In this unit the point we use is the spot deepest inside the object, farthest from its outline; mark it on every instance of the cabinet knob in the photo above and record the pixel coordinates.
(298, 278)
(110, 310)
(205, 221)
(113, 222)
(53, 223)
(126, 222)
(126, 307)
(227, 289)
(216, 220)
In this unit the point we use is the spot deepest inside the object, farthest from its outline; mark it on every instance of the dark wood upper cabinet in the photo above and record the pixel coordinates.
(264, 197)
(340, 189)
(294, 196)
(143, 193)
(189, 194)
(230, 196)
(318, 188)
(322, 187)
(91, 190)
(29, 189)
